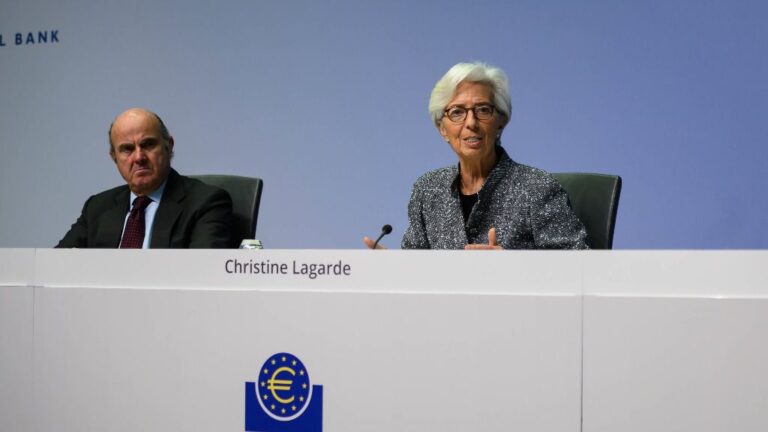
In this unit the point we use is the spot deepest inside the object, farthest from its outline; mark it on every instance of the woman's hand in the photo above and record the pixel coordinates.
(492, 245)
(369, 243)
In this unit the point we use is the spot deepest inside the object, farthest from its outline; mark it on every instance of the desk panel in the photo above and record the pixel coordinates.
(675, 341)
(137, 359)
(17, 267)
(675, 364)
(480, 272)
(16, 304)
(16, 354)
(405, 340)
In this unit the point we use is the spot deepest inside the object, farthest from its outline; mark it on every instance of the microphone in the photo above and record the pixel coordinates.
(386, 229)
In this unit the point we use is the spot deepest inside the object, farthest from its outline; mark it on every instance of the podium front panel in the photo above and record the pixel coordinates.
(451, 343)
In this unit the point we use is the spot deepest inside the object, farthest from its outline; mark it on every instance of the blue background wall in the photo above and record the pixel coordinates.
(327, 102)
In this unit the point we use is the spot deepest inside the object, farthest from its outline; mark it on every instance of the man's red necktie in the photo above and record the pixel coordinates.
(133, 237)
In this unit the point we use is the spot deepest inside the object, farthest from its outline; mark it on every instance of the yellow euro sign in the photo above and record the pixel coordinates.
(276, 385)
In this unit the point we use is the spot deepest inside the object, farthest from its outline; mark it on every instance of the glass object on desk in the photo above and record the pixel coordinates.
(251, 244)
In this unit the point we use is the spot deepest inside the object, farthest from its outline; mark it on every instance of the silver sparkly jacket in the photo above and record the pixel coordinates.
(527, 206)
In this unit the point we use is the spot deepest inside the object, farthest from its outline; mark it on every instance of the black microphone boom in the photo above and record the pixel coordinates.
(386, 229)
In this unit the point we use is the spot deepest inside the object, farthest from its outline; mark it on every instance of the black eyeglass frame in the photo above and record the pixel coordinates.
(493, 108)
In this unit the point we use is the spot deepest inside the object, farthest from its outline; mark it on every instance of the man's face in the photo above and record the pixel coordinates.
(142, 156)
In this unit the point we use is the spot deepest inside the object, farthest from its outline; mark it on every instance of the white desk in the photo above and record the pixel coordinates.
(16, 338)
(409, 340)
(675, 341)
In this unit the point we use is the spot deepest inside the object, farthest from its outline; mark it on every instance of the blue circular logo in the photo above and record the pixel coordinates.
(284, 389)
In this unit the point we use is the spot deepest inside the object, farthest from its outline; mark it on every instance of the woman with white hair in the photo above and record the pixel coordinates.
(487, 201)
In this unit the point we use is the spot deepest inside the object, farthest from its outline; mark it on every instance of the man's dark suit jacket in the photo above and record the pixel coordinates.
(191, 214)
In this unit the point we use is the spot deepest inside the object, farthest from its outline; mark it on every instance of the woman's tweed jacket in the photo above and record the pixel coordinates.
(527, 206)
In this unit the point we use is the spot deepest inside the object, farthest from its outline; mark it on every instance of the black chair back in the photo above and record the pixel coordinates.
(246, 196)
(595, 199)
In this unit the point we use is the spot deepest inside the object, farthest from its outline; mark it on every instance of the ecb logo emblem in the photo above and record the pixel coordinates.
(283, 398)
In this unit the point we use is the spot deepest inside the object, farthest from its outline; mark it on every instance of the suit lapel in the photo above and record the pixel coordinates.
(168, 213)
(456, 222)
(114, 219)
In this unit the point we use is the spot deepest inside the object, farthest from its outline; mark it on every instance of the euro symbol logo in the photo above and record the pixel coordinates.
(284, 389)
(274, 384)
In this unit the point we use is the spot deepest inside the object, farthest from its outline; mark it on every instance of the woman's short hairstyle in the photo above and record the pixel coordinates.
(445, 89)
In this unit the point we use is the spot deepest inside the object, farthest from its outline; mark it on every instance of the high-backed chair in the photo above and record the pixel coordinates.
(595, 199)
(246, 196)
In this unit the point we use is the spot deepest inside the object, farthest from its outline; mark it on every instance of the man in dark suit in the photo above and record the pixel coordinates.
(157, 208)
